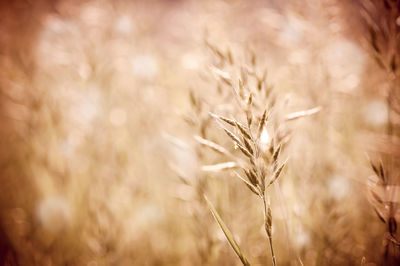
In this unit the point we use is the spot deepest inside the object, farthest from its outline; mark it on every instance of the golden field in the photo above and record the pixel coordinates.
(183, 132)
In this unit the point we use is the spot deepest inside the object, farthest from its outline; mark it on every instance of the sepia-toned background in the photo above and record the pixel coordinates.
(98, 109)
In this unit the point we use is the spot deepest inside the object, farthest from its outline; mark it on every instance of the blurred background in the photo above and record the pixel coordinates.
(93, 97)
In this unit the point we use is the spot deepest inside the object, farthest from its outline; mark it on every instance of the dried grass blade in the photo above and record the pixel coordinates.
(248, 146)
(227, 232)
(219, 167)
(376, 197)
(184, 179)
(276, 153)
(245, 151)
(249, 185)
(232, 136)
(215, 50)
(374, 168)
(251, 176)
(382, 172)
(224, 76)
(262, 123)
(277, 173)
(229, 56)
(380, 216)
(226, 120)
(243, 130)
(212, 145)
(303, 113)
(250, 99)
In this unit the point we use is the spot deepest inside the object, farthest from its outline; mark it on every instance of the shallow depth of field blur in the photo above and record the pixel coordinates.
(97, 155)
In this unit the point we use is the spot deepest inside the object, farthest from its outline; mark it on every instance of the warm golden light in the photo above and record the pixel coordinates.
(182, 132)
